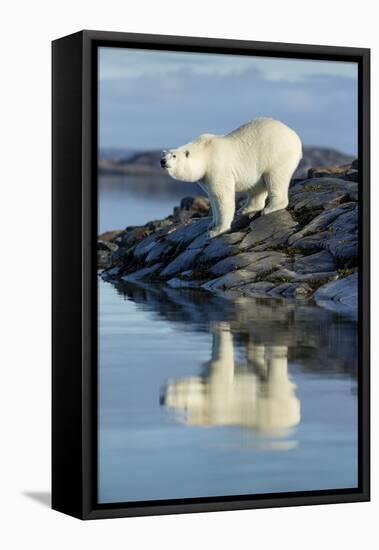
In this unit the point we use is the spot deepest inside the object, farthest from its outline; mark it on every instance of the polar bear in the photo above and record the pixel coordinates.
(259, 395)
(258, 158)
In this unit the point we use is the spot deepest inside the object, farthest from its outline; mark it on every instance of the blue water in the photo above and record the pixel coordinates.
(135, 200)
(203, 397)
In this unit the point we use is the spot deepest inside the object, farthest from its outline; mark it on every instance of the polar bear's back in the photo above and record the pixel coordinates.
(266, 141)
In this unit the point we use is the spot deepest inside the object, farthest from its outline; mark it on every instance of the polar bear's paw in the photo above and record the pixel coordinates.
(274, 208)
(246, 211)
(214, 231)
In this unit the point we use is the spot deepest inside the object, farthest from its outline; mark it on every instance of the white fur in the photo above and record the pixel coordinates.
(259, 158)
(261, 397)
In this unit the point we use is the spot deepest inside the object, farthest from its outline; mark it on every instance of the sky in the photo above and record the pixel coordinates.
(158, 100)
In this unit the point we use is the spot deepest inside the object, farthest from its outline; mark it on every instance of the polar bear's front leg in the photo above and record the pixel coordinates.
(214, 210)
(222, 201)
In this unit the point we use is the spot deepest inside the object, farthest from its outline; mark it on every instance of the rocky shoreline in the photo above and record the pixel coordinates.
(307, 252)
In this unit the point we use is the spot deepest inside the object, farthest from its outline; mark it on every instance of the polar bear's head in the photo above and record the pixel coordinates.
(188, 162)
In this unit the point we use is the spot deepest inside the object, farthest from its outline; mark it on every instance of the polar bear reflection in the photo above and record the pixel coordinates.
(260, 397)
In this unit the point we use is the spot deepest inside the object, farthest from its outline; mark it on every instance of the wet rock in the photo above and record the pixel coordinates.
(291, 290)
(183, 262)
(297, 290)
(340, 296)
(182, 283)
(142, 273)
(229, 280)
(256, 261)
(284, 275)
(108, 274)
(259, 289)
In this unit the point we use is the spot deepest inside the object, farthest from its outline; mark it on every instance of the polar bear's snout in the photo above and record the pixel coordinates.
(163, 160)
(167, 159)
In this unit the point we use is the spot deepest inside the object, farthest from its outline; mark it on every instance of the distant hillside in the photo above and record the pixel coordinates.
(146, 163)
(318, 157)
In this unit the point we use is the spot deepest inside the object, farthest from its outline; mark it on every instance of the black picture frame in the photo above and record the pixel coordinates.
(74, 313)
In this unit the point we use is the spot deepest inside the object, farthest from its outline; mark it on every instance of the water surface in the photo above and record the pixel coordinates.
(136, 200)
(199, 396)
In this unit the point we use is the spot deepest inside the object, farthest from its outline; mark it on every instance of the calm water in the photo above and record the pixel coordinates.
(199, 396)
(135, 200)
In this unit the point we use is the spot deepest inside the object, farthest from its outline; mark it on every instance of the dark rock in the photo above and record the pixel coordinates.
(259, 289)
(285, 275)
(185, 260)
(340, 296)
(288, 254)
(136, 235)
(145, 246)
(319, 223)
(192, 207)
(109, 235)
(320, 156)
(103, 259)
(230, 280)
(270, 230)
(109, 274)
(188, 232)
(222, 246)
(339, 237)
(321, 261)
(182, 283)
(108, 246)
(346, 172)
(195, 204)
(242, 221)
(291, 290)
(159, 224)
(159, 251)
(142, 273)
(257, 262)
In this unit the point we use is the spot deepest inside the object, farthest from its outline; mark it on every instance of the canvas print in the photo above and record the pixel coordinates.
(227, 275)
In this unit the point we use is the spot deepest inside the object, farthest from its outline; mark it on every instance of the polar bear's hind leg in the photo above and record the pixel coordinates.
(277, 183)
(256, 198)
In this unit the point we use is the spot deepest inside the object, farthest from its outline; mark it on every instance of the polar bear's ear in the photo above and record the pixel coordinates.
(187, 154)
(206, 139)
